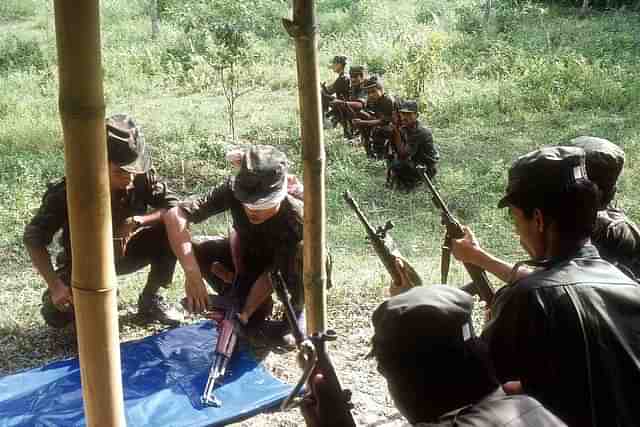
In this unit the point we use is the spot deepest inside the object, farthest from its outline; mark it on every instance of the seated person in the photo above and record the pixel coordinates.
(566, 333)
(339, 89)
(138, 201)
(348, 108)
(413, 147)
(438, 372)
(266, 237)
(374, 122)
(615, 235)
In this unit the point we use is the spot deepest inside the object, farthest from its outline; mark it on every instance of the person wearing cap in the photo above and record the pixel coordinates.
(565, 333)
(138, 201)
(375, 121)
(437, 371)
(414, 149)
(615, 235)
(339, 89)
(348, 108)
(266, 237)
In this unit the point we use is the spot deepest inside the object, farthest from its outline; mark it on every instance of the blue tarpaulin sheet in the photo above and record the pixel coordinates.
(163, 378)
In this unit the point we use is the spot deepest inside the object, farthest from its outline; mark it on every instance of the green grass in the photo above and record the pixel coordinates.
(538, 75)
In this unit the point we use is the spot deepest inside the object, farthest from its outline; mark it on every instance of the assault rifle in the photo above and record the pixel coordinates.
(325, 403)
(480, 284)
(385, 247)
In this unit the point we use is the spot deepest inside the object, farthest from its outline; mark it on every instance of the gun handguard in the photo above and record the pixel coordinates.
(481, 285)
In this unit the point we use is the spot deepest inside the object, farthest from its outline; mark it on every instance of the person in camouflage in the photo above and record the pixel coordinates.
(266, 237)
(375, 121)
(339, 89)
(411, 150)
(138, 201)
(348, 109)
(615, 235)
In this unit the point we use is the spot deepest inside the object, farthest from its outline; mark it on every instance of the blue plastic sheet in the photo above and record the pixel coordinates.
(163, 378)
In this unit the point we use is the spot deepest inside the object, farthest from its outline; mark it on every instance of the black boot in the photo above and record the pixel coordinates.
(153, 308)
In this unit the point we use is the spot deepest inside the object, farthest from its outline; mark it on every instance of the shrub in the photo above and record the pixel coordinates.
(17, 54)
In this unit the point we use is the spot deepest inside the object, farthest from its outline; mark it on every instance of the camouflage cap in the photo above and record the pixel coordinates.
(604, 159)
(262, 175)
(419, 318)
(339, 59)
(542, 172)
(125, 144)
(374, 82)
(357, 70)
(407, 106)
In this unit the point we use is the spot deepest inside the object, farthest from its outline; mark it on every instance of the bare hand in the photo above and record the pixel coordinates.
(60, 293)
(467, 249)
(357, 122)
(222, 272)
(512, 387)
(197, 295)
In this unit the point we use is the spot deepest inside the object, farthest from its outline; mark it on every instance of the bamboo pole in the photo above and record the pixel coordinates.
(304, 30)
(82, 110)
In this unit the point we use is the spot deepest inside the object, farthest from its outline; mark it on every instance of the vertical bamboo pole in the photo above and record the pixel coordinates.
(303, 29)
(81, 103)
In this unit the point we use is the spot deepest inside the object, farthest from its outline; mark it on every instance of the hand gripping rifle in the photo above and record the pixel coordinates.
(385, 247)
(480, 285)
(325, 403)
(224, 311)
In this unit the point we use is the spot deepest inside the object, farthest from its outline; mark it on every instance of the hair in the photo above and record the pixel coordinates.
(573, 209)
(430, 380)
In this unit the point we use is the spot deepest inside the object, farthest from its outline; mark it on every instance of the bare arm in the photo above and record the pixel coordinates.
(180, 239)
(467, 249)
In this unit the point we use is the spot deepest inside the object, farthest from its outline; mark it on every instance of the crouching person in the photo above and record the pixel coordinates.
(266, 237)
(438, 372)
(138, 201)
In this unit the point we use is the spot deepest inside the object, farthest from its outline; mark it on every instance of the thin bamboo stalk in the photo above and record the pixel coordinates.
(82, 110)
(303, 29)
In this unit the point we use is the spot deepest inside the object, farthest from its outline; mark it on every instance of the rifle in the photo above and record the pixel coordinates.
(325, 403)
(480, 282)
(223, 310)
(384, 246)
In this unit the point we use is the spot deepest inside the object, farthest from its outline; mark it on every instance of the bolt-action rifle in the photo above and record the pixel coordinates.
(325, 403)
(385, 248)
(480, 282)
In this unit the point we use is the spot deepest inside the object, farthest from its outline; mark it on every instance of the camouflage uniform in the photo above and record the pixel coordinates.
(148, 246)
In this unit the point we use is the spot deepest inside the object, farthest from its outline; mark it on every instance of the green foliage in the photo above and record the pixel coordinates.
(17, 9)
(17, 54)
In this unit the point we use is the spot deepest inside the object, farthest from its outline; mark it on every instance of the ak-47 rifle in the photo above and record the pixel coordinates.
(385, 247)
(480, 285)
(224, 311)
(325, 403)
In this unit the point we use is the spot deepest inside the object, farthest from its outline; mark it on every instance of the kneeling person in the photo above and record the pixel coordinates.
(138, 201)
(266, 237)
(437, 371)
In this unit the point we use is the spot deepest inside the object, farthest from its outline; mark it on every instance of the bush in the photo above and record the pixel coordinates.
(17, 9)
(17, 54)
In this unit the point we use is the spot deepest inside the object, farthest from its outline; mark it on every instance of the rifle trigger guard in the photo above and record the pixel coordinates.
(308, 356)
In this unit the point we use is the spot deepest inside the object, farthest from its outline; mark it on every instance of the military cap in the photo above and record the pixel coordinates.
(339, 59)
(407, 106)
(604, 159)
(357, 70)
(542, 172)
(262, 176)
(373, 82)
(125, 144)
(420, 319)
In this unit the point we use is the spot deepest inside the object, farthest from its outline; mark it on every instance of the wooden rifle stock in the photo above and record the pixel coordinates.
(480, 285)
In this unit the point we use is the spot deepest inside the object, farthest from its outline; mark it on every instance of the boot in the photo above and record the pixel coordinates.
(153, 308)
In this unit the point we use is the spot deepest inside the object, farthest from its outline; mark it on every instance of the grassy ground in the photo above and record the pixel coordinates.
(532, 75)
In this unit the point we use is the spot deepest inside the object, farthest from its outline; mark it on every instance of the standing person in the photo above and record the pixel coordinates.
(438, 372)
(266, 237)
(339, 89)
(138, 201)
(615, 235)
(413, 149)
(375, 122)
(567, 333)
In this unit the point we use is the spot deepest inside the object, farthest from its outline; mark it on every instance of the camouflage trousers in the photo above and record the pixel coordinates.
(150, 246)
